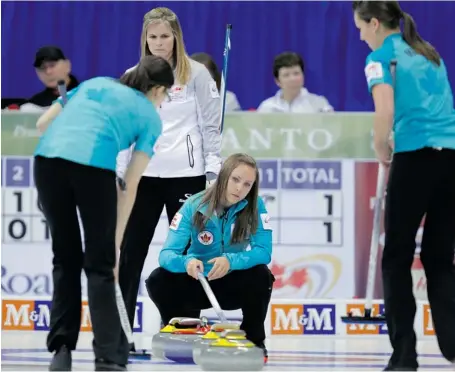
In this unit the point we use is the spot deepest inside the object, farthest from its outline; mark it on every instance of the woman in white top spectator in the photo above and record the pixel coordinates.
(289, 73)
(232, 103)
(187, 154)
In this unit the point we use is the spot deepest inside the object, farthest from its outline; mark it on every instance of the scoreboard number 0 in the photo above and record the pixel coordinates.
(17, 229)
(35, 229)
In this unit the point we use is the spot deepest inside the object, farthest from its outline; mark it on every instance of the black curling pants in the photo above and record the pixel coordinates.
(176, 295)
(421, 183)
(152, 195)
(62, 186)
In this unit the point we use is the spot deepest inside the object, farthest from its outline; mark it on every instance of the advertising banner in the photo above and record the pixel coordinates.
(34, 315)
(321, 317)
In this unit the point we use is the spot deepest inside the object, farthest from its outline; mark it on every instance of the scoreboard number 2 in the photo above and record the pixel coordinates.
(18, 173)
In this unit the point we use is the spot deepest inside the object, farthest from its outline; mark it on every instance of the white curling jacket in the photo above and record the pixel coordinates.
(190, 143)
(305, 102)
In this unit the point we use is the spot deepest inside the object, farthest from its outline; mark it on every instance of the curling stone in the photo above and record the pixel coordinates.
(175, 341)
(215, 333)
(229, 354)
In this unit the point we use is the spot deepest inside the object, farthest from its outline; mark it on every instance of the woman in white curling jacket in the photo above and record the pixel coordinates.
(187, 154)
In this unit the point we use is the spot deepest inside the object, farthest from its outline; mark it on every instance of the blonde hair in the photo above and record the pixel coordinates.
(246, 222)
(180, 58)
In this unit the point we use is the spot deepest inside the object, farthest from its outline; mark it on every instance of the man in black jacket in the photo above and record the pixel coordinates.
(51, 66)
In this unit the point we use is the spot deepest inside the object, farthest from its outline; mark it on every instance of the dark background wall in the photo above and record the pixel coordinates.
(102, 38)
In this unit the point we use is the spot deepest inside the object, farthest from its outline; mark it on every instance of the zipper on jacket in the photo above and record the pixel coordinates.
(223, 222)
(190, 147)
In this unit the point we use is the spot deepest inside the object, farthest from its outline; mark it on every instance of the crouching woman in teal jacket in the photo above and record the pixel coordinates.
(225, 233)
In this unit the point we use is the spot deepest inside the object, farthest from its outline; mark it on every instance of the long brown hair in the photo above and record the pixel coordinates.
(247, 219)
(180, 58)
(389, 14)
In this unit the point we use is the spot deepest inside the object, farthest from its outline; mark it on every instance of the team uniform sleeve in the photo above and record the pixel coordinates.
(69, 95)
(260, 243)
(171, 256)
(209, 102)
(377, 71)
(150, 131)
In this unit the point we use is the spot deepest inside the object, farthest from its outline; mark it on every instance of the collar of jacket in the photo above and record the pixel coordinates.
(232, 210)
(303, 94)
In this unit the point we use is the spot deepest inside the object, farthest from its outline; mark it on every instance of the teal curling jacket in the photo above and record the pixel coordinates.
(214, 239)
(424, 111)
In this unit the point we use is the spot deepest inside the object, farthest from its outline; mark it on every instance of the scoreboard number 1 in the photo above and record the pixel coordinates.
(40, 229)
(328, 227)
(18, 195)
(329, 199)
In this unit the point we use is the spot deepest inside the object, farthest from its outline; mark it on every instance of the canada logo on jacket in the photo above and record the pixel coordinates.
(205, 237)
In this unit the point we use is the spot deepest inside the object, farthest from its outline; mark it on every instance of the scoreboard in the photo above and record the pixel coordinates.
(304, 199)
(317, 200)
(22, 218)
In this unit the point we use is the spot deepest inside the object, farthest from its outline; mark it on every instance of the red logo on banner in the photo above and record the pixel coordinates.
(308, 276)
(297, 278)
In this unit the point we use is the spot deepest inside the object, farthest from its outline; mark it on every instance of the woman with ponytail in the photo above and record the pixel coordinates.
(413, 100)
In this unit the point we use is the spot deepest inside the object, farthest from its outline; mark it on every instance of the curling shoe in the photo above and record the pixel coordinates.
(104, 365)
(264, 349)
(389, 368)
(61, 361)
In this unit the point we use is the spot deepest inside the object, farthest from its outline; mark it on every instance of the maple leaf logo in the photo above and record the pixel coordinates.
(205, 238)
(96, 94)
(297, 277)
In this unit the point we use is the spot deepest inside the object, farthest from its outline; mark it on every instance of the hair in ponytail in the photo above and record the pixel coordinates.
(420, 46)
(389, 14)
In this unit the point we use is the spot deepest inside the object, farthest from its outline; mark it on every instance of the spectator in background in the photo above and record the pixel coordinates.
(52, 66)
(232, 104)
(289, 72)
